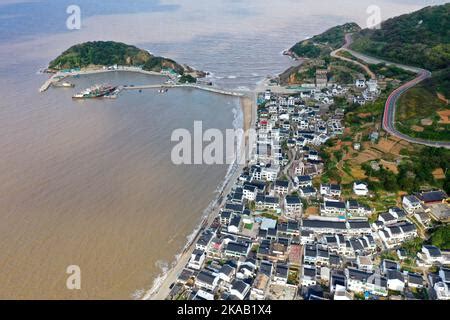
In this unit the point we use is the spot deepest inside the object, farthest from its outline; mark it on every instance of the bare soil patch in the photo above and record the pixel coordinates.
(445, 116)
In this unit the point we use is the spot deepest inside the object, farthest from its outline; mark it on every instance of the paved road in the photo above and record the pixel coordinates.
(391, 102)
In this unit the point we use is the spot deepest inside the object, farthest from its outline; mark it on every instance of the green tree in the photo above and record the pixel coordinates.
(441, 237)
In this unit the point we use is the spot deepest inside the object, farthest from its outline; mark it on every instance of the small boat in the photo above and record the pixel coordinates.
(163, 90)
(64, 85)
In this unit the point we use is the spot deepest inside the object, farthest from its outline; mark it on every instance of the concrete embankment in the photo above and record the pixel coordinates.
(192, 86)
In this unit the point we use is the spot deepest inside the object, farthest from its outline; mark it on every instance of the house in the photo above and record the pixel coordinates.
(333, 209)
(266, 202)
(207, 280)
(323, 256)
(310, 254)
(234, 226)
(395, 280)
(364, 263)
(423, 218)
(331, 190)
(319, 226)
(226, 273)
(306, 237)
(281, 274)
(441, 287)
(387, 265)
(432, 197)
(341, 293)
(269, 173)
(204, 241)
(308, 277)
(355, 209)
(203, 295)
(337, 278)
(387, 218)
(225, 217)
(237, 208)
(360, 188)
(395, 234)
(288, 230)
(361, 281)
(442, 291)
(334, 261)
(250, 191)
(239, 289)
(402, 254)
(236, 196)
(293, 204)
(308, 192)
(372, 85)
(281, 186)
(303, 181)
(266, 267)
(237, 249)
(431, 255)
(185, 276)
(197, 259)
(267, 223)
(360, 83)
(259, 287)
(444, 274)
(411, 204)
(415, 280)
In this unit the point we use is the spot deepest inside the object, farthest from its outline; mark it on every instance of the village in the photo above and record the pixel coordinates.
(284, 234)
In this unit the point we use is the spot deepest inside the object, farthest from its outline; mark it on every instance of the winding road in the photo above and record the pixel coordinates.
(391, 102)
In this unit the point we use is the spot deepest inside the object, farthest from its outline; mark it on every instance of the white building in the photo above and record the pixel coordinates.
(308, 277)
(239, 289)
(442, 291)
(360, 188)
(197, 259)
(411, 204)
(360, 83)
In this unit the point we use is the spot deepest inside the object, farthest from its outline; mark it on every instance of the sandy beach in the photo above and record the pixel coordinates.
(248, 105)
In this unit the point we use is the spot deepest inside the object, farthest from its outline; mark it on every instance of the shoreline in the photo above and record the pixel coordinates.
(162, 289)
(161, 284)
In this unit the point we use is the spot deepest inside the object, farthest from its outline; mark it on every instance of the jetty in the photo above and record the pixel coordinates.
(62, 75)
(192, 86)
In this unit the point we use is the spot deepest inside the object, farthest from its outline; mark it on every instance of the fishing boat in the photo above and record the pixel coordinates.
(96, 91)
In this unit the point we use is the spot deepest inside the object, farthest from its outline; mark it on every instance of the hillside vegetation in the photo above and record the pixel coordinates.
(107, 53)
(421, 38)
(324, 43)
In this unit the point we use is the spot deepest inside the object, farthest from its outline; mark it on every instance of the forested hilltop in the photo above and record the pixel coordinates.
(108, 53)
(322, 44)
(421, 38)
